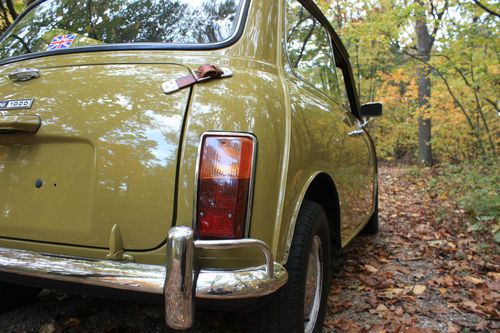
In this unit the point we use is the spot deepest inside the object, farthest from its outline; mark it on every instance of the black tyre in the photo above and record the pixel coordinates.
(14, 295)
(371, 228)
(301, 304)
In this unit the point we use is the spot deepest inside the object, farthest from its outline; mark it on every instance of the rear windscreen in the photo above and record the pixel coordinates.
(60, 24)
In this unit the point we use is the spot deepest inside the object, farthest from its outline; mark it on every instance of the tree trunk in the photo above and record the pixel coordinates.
(424, 47)
(11, 8)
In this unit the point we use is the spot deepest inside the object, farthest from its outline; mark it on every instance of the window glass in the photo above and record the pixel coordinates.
(343, 97)
(57, 24)
(309, 50)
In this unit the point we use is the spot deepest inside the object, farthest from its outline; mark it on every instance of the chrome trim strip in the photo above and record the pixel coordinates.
(251, 182)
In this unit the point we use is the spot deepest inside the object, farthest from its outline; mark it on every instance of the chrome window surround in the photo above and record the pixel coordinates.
(235, 36)
(250, 183)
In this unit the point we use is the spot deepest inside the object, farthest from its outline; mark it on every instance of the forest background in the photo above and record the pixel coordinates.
(435, 66)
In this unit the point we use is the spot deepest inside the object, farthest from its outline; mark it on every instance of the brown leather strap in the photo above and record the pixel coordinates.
(211, 71)
(205, 71)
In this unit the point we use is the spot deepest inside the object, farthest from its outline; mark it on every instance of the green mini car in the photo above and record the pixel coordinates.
(203, 151)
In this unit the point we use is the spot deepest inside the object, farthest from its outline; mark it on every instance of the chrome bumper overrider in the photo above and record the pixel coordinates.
(175, 281)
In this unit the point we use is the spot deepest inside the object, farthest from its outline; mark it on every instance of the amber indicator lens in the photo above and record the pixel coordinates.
(223, 186)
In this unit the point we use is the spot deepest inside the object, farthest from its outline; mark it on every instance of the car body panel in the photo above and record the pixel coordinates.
(321, 127)
(106, 154)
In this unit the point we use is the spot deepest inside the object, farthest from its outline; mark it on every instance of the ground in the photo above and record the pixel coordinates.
(427, 270)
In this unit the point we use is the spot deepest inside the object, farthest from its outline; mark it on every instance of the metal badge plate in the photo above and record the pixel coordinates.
(16, 104)
(24, 74)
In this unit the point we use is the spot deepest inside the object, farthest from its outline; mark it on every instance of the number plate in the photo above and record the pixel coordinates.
(15, 104)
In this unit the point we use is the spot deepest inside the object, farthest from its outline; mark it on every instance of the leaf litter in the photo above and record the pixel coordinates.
(424, 272)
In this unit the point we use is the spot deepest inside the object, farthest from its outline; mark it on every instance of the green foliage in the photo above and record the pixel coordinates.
(474, 186)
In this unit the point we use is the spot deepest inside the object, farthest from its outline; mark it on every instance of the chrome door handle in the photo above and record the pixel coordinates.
(26, 124)
(358, 132)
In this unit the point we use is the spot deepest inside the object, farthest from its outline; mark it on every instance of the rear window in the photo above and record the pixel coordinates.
(61, 24)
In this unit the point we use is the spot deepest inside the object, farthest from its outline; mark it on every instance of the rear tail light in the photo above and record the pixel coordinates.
(224, 181)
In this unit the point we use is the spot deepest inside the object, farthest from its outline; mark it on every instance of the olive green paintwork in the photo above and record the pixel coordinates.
(109, 144)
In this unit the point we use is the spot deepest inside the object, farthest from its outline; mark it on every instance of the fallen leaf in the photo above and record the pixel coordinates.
(452, 328)
(72, 322)
(471, 306)
(473, 280)
(340, 306)
(50, 328)
(481, 326)
(345, 325)
(419, 289)
(370, 269)
(392, 293)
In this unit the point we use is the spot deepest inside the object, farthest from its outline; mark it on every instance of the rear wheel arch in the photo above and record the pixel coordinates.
(320, 189)
(323, 191)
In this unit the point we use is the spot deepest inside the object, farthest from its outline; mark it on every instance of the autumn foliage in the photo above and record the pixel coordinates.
(463, 68)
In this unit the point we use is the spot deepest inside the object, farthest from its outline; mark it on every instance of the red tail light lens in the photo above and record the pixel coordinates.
(225, 171)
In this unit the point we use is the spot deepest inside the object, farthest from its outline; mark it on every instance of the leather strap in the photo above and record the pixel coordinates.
(211, 71)
(203, 73)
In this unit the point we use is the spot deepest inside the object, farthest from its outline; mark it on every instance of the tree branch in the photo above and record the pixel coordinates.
(437, 21)
(488, 10)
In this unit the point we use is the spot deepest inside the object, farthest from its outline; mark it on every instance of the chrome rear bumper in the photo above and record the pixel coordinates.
(175, 281)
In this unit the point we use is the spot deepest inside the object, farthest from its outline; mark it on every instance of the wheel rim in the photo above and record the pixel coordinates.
(314, 286)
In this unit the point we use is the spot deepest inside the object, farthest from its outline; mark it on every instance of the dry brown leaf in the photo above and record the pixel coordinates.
(50, 328)
(391, 293)
(474, 280)
(419, 289)
(72, 322)
(340, 306)
(345, 325)
(471, 306)
(481, 326)
(378, 280)
(370, 268)
(452, 328)
(399, 311)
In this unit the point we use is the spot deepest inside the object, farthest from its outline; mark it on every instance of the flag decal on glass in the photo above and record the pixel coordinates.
(61, 42)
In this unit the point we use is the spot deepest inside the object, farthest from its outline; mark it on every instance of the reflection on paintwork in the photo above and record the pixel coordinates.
(321, 128)
(105, 158)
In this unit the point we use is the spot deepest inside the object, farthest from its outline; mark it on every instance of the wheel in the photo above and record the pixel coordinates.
(371, 228)
(301, 304)
(14, 295)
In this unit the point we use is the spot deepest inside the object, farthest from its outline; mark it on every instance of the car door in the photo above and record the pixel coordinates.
(329, 131)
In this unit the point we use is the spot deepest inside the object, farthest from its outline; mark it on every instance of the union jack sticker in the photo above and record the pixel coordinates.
(61, 42)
